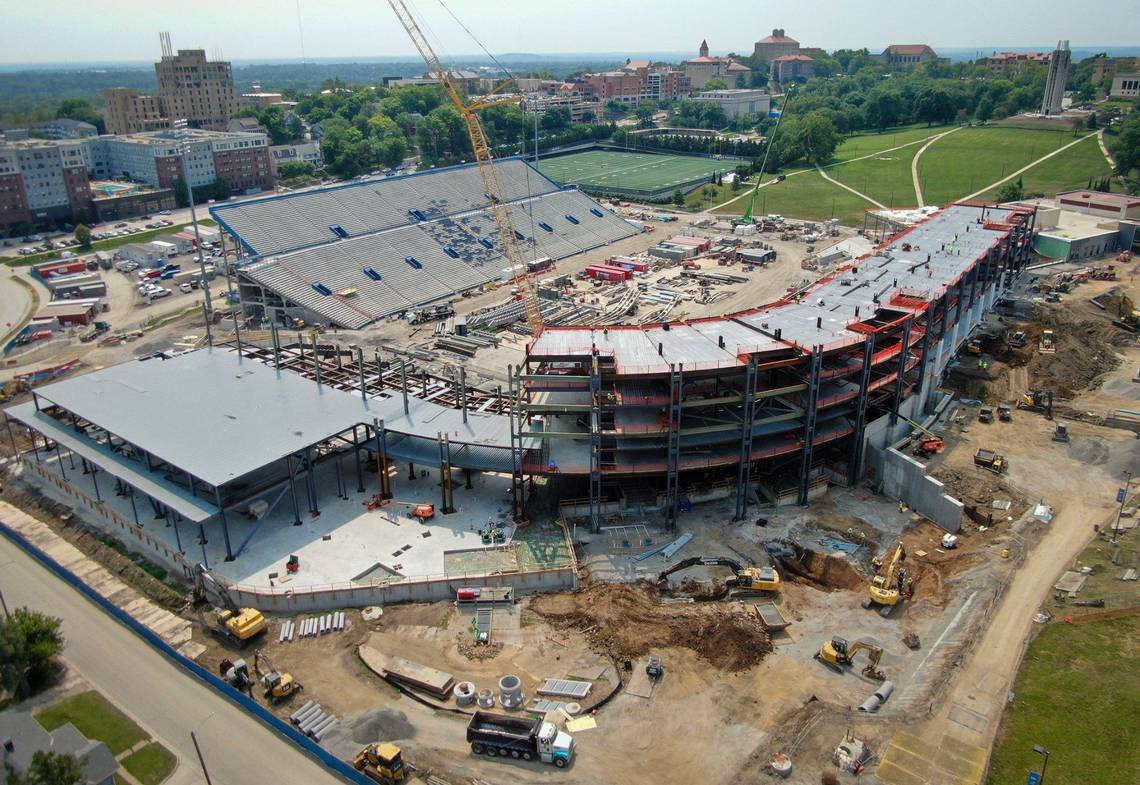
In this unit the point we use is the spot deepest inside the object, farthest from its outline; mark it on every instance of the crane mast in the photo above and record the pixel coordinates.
(482, 149)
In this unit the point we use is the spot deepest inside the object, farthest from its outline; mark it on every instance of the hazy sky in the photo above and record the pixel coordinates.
(117, 30)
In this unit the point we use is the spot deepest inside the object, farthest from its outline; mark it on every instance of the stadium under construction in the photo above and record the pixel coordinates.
(775, 402)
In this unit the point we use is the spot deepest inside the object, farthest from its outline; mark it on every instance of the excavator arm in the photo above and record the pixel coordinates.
(708, 561)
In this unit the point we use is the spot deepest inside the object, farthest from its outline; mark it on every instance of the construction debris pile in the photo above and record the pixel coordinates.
(629, 621)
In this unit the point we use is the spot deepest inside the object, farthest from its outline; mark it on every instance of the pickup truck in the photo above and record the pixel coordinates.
(499, 735)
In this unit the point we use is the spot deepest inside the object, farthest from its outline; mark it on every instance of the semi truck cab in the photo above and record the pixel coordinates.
(554, 746)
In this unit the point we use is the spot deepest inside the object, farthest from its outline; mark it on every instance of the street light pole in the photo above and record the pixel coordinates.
(182, 127)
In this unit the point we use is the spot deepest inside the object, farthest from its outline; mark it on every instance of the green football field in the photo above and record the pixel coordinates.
(613, 170)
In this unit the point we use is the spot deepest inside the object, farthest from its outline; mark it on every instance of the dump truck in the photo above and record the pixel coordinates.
(988, 459)
(1005, 414)
(499, 735)
(986, 414)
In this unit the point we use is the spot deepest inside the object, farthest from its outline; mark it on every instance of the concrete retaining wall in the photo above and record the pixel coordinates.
(318, 598)
(905, 479)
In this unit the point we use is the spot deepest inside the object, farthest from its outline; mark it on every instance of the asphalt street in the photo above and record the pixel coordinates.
(160, 696)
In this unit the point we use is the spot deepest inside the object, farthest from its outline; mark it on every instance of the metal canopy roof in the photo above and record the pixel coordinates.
(153, 485)
(219, 417)
(208, 412)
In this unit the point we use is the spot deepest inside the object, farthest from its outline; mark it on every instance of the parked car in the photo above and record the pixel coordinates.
(120, 225)
(165, 212)
(26, 252)
(185, 287)
(159, 292)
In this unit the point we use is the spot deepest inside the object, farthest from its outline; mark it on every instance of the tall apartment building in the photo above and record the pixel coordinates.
(1058, 76)
(192, 87)
(132, 112)
(44, 180)
(189, 86)
(242, 160)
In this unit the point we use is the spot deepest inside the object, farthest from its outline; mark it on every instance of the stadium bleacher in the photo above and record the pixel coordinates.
(421, 238)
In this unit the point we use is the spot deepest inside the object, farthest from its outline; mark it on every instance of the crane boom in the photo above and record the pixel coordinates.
(482, 149)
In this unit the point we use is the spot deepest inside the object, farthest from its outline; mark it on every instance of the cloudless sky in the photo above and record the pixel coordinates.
(121, 30)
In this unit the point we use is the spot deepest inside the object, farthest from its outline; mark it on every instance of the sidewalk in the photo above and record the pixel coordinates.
(174, 630)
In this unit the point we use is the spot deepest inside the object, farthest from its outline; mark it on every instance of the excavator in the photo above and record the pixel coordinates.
(382, 763)
(277, 685)
(240, 624)
(890, 587)
(837, 654)
(743, 580)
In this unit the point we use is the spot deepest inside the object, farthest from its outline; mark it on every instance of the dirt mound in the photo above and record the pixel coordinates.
(628, 621)
(381, 725)
(1085, 351)
(977, 489)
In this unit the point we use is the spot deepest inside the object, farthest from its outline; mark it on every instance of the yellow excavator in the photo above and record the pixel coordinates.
(382, 763)
(277, 685)
(837, 654)
(891, 586)
(744, 579)
(240, 624)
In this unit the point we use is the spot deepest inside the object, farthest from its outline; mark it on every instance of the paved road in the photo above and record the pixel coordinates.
(238, 749)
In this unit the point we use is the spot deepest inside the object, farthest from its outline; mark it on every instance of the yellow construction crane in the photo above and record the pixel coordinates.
(482, 149)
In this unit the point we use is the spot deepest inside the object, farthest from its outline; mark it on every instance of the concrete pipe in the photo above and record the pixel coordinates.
(313, 721)
(320, 727)
(308, 714)
(884, 691)
(464, 693)
(573, 709)
(325, 731)
(510, 692)
(871, 705)
(485, 699)
(297, 714)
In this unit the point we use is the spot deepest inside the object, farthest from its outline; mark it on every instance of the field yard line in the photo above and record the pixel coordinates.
(831, 179)
(914, 165)
(832, 166)
(1027, 167)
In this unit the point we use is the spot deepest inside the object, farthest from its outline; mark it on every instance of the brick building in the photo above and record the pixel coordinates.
(787, 68)
(903, 55)
(703, 69)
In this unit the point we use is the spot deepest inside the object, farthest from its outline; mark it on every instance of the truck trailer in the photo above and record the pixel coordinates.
(499, 735)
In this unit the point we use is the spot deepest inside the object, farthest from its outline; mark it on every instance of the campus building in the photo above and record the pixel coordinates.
(903, 55)
(43, 181)
(776, 45)
(1126, 85)
(738, 103)
(635, 82)
(703, 69)
(1013, 63)
(787, 68)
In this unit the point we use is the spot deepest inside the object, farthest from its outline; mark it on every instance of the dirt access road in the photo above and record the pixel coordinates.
(955, 743)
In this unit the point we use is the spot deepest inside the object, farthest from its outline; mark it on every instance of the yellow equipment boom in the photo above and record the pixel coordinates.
(482, 149)
(888, 589)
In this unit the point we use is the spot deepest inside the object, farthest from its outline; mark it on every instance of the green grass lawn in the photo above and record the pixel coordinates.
(805, 195)
(1066, 171)
(102, 245)
(151, 764)
(1077, 695)
(858, 145)
(885, 177)
(967, 160)
(94, 717)
(615, 169)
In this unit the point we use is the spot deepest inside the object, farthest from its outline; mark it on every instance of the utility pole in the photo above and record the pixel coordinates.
(183, 130)
(1123, 499)
(201, 760)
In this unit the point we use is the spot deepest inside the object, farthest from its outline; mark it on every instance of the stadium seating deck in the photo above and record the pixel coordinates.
(453, 247)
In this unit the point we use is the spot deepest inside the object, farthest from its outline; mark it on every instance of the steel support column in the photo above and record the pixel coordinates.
(813, 383)
(515, 419)
(673, 456)
(901, 380)
(747, 416)
(595, 496)
(861, 412)
(225, 524)
(293, 490)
